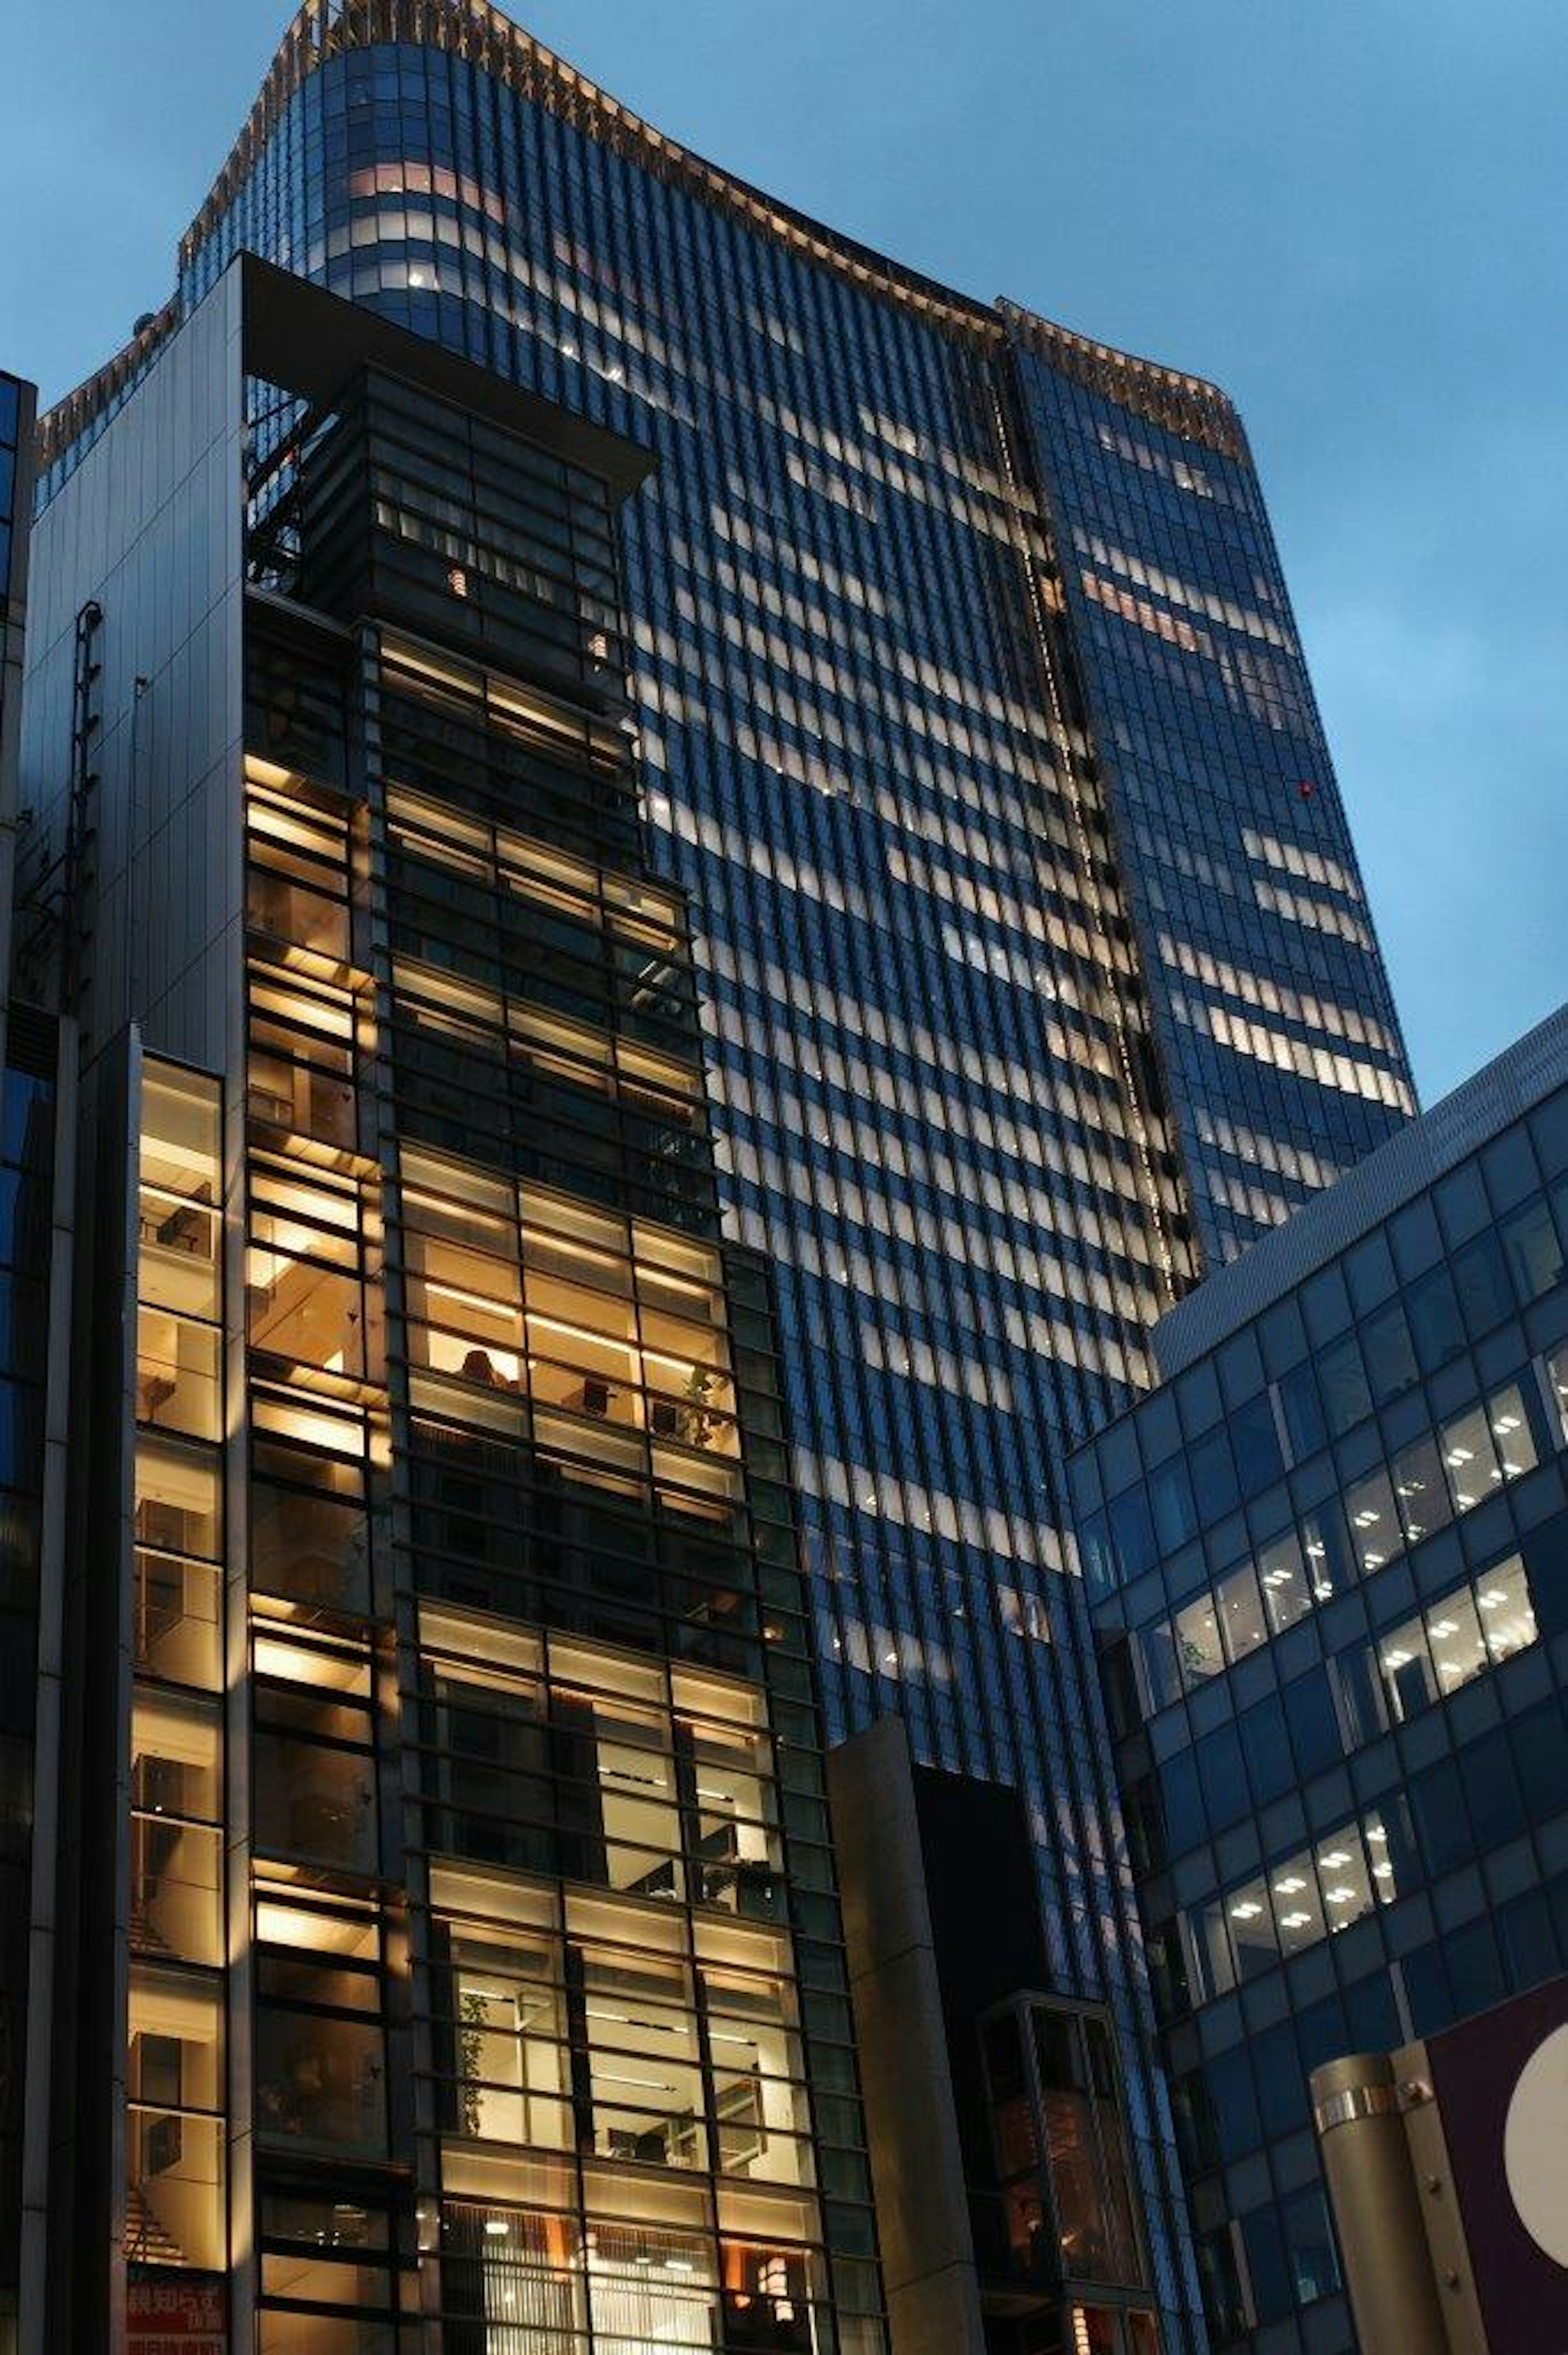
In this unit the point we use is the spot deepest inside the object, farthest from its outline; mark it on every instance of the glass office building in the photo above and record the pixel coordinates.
(1036, 969)
(1328, 1563)
(451, 1953)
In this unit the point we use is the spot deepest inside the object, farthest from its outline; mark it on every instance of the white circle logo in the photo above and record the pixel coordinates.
(1535, 2146)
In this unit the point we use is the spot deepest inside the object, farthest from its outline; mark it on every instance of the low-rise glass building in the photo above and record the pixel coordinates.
(1328, 1563)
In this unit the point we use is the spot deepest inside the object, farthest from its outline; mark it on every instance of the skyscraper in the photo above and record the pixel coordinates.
(1036, 966)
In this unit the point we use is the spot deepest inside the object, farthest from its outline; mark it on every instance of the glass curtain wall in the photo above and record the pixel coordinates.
(919, 993)
(176, 2126)
(1272, 1015)
(532, 1649)
(1328, 1560)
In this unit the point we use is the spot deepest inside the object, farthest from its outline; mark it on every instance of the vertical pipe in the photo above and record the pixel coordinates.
(1377, 2207)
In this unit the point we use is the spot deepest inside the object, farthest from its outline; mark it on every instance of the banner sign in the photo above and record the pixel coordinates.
(180, 2314)
(1501, 2083)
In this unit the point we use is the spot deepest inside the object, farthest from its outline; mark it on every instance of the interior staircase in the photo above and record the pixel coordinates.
(146, 2242)
(146, 1938)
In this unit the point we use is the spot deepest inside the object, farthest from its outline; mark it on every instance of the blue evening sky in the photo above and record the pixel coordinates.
(1350, 212)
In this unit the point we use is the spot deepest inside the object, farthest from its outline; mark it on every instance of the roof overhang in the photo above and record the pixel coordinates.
(315, 345)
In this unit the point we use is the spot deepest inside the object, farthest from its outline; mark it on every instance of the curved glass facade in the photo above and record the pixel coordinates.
(962, 711)
(1281, 1049)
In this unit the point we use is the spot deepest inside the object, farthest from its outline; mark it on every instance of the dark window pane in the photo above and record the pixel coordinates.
(1100, 1571)
(1268, 1753)
(318, 2082)
(1314, 1727)
(1161, 1675)
(21, 1433)
(1510, 1168)
(1426, 1987)
(1304, 1419)
(1497, 1806)
(1475, 1969)
(1534, 1253)
(1546, 1560)
(1540, 1757)
(1347, 1399)
(1481, 1278)
(1463, 1208)
(1390, 1358)
(1369, 1273)
(1257, 1445)
(1281, 2080)
(1435, 1324)
(1362, 1700)
(1416, 1240)
(26, 1119)
(1220, 1773)
(1309, 2247)
(1235, 2102)
(1528, 1938)
(1213, 1476)
(1182, 1802)
(1322, 2033)
(1133, 1532)
(1273, 2286)
(1194, 2112)
(1325, 1305)
(1372, 2016)
(1548, 1127)
(1437, 1803)
(1223, 2308)
(1170, 1497)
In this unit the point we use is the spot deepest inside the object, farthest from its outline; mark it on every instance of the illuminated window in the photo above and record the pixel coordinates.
(174, 2168)
(1061, 2145)
(329, 2275)
(320, 2055)
(304, 1313)
(177, 1631)
(1455, 1640)
(315, 1753)
(176, 1844)
(180, 1185)
(296, 873)
(300, 1056)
